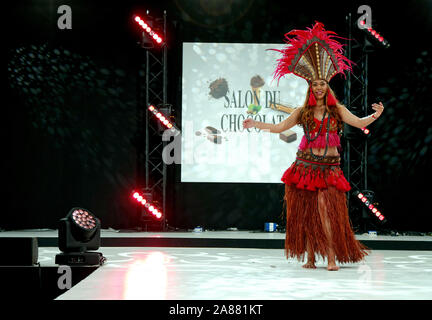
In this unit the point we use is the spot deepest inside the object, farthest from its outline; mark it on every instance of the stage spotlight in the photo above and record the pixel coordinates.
(356, 134)
(146, 199)
(361, 196)
(365, 130)
(373, 34)
(163, 119)
(77, 233)
(151, 33)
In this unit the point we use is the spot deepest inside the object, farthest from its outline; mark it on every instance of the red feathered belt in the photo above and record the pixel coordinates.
(312, 174)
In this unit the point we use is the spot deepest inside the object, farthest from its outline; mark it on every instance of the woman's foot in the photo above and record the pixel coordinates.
(331, 258)
(332, 266)
(309, 265)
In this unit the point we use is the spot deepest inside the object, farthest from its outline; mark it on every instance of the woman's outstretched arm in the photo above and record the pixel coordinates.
(357, 122)
(288, 123)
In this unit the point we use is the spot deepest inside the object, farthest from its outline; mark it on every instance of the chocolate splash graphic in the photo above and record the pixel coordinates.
(218, 88)
(212, 134)
(257, 82)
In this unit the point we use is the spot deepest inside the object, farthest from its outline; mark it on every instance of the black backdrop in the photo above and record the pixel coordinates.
(70, 109)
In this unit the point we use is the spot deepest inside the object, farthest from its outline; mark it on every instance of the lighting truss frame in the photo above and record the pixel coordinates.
(356, 100)
(151, 170)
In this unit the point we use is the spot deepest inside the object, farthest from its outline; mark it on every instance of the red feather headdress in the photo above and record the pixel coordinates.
(312, 54)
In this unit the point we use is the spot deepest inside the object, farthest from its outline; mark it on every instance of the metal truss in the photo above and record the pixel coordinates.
(356, 100)
(152, 90)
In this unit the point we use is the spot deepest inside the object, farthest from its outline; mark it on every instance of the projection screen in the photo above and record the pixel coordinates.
(223, 84)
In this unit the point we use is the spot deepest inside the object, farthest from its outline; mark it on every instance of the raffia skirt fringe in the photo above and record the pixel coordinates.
(311, 186)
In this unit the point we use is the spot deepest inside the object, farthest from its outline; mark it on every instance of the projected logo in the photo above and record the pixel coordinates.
(250, 99)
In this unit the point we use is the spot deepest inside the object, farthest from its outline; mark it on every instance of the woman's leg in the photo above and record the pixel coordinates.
(325, 221)
(310, 264)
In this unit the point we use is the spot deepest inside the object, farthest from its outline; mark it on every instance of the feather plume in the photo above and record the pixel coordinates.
(314, 62)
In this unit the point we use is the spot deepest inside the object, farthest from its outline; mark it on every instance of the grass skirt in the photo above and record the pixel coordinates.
(317, 213)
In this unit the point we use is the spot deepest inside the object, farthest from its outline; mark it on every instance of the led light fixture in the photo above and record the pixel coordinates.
(79, 232)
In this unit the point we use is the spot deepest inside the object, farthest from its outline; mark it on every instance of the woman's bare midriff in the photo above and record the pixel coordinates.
(331, 151)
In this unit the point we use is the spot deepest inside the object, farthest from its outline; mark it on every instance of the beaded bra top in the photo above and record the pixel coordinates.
(320, 141)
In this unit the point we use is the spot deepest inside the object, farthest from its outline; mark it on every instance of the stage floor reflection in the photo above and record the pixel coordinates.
(237, 273)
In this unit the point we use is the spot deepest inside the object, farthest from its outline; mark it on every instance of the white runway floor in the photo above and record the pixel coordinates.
(210, 273)
(243, 274)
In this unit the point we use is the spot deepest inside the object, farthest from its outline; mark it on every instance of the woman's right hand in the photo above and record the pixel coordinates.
(248, 123)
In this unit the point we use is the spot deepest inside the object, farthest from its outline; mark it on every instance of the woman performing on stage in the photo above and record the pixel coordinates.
(317, 220)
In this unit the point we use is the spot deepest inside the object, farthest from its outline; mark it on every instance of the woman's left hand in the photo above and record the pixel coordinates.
(379, 108)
